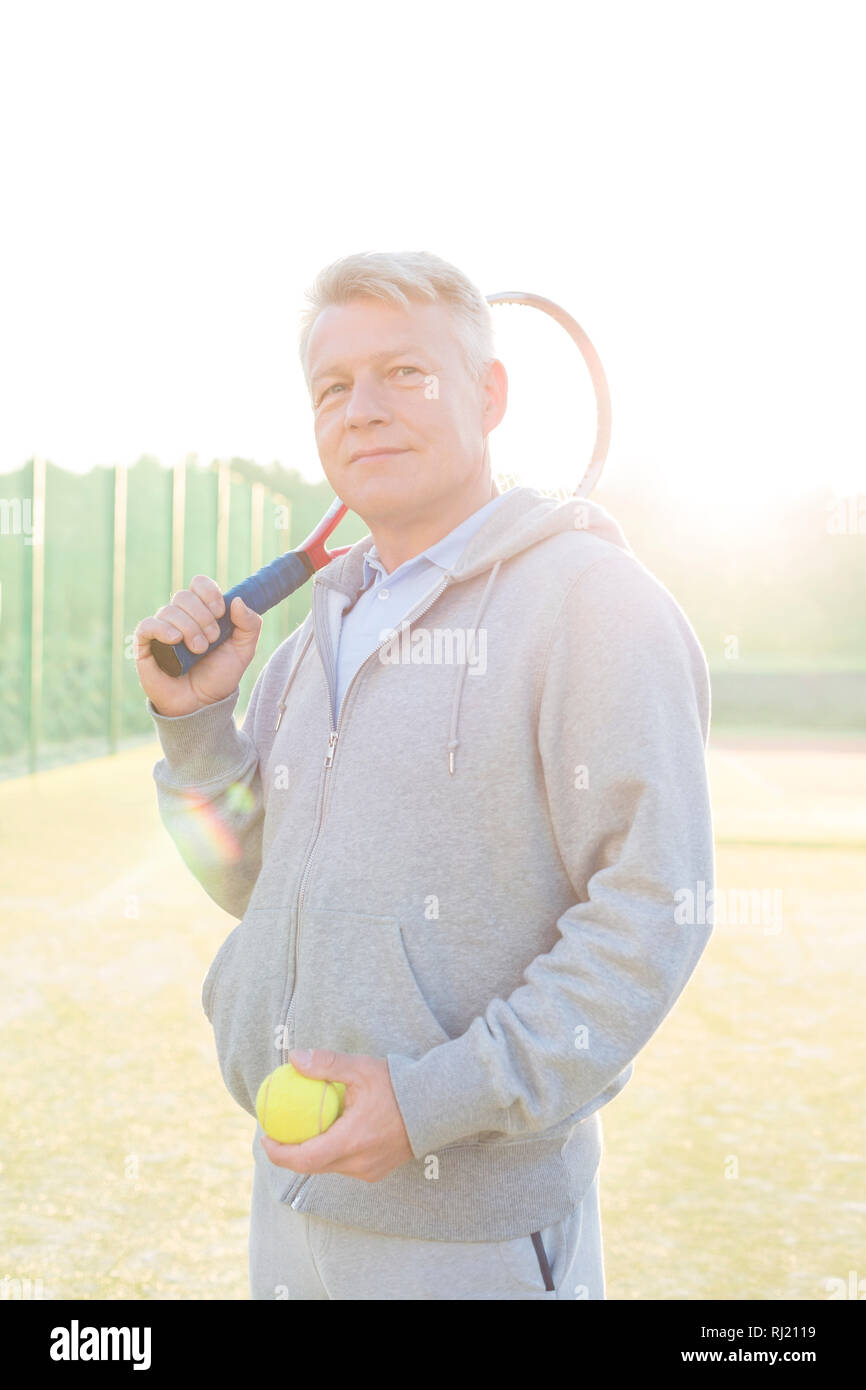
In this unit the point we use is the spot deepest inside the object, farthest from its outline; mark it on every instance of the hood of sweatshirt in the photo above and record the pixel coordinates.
(524, 518)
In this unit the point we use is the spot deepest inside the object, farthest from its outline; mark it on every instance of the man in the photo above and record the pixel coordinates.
(467, 794)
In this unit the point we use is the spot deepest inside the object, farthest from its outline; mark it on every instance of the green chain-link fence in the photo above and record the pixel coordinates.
(84, 557)
(781, 613)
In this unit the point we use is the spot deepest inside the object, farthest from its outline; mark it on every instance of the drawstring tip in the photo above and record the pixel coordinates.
(451, 763)
(279, 717)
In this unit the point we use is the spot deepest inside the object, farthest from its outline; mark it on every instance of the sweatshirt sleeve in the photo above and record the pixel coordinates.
(623, 721)
(210, 796)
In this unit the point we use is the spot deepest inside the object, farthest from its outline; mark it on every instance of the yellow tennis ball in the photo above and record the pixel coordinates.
(292, 1107)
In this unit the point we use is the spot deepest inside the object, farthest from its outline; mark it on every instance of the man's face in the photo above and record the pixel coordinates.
(384, 377)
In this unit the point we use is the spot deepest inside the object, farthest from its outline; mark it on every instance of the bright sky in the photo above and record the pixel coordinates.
(686, 179)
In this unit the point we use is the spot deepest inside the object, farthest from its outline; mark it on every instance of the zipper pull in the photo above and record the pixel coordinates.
(332, 743)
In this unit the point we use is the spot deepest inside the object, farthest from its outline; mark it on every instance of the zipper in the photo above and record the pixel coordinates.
(333, 736)
(328, 764)
(332, 743)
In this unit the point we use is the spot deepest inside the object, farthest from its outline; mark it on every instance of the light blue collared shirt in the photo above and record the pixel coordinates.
(389, 597)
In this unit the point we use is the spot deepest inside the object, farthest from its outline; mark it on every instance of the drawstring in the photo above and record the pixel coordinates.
(296, 663)
(453, 740)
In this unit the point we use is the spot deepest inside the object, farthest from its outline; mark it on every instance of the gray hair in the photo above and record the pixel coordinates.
(398, 277)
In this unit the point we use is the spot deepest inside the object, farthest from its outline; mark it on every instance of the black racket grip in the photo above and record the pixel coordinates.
(263, 590)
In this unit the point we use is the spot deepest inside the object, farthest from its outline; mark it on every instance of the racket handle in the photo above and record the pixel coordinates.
(262, 591)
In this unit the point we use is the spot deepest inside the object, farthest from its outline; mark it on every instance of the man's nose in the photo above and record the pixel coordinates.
(366, 404)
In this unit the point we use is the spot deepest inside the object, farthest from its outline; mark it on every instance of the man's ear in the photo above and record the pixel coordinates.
(495, 394)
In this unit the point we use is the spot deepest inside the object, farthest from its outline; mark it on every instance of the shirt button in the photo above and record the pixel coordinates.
(384, 593)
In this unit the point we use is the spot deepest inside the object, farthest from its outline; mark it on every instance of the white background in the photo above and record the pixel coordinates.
(685, 178)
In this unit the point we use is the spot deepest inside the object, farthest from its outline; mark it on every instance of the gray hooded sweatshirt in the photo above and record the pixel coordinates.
(476, 872)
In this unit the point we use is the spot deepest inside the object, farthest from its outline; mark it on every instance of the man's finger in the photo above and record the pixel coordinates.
(326, 1065)
(321, 1154)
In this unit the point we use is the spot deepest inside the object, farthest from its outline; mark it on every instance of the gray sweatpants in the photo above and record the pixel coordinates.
(296, 1255)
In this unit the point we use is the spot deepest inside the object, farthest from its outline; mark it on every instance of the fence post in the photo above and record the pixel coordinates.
(116, 648)
(224, 484)
(257, 507)
(178, 521)
(37, 611)
(285, 543)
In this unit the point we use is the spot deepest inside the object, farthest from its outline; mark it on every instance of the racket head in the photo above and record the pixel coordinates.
(589, 473)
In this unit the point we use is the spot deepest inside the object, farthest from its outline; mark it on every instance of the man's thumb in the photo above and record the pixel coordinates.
(322, 1062)
(242, 616)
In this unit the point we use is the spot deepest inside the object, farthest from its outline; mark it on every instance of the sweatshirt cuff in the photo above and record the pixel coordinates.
(446, 1095)
(202, 746)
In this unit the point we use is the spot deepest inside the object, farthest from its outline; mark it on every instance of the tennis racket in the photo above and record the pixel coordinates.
(283, 576)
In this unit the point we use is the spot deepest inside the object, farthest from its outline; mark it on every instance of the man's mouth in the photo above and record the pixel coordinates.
(365, 455)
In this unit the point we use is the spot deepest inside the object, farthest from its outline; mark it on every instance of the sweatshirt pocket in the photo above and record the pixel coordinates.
(219, 960)
(356, 991)
(244, 998)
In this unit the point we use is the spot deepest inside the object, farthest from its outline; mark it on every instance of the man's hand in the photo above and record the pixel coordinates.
(368, 1140)
(191, 618)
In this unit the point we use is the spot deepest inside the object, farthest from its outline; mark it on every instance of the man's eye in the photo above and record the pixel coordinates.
(329, 389)
(407, 369)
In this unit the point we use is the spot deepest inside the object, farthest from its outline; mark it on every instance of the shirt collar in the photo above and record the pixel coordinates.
(442, 553)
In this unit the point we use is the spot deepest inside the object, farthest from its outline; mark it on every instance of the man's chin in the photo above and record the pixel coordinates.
(387, 501)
